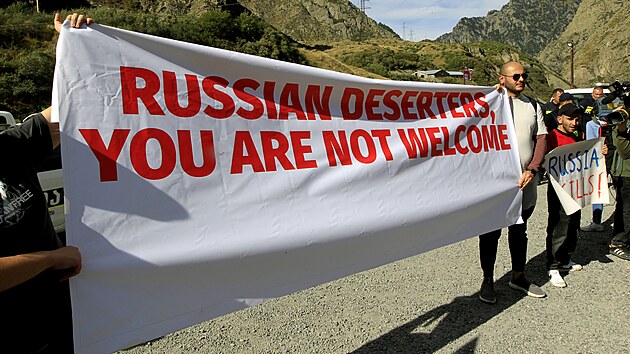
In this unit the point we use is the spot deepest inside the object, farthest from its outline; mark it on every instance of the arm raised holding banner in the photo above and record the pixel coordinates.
(531, 138)
(33, 263)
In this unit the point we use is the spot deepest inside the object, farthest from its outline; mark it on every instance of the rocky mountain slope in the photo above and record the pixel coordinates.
(334, 29)
(318, 21)
(526, 24)
(305, 21)
(599, 33)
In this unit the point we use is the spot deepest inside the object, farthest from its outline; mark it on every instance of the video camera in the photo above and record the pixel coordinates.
(618, 90)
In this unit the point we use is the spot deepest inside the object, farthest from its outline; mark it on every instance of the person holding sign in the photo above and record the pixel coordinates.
(35, 298)
(531, 139)
(562, 229)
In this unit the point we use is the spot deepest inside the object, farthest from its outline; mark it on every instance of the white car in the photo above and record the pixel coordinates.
(50, 177)
(6, 120)
(602, 110)
(582, 93)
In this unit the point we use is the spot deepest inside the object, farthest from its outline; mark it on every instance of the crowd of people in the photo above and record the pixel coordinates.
(559, 122)
(34, 263)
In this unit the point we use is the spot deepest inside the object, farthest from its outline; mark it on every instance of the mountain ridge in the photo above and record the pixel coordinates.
(319, 21)
(525, 24)
(601, 45)
(307, 22)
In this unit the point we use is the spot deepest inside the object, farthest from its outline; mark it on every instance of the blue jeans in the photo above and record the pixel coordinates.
(598, 209)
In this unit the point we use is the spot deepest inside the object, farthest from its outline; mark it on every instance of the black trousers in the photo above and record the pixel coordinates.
(562, 232)
(43, 325)
(517, 241)
(621, 236)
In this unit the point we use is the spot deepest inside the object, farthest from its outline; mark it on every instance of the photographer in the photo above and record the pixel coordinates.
(620, 243)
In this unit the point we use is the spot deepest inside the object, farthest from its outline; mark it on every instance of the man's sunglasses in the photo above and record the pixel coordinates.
(516, 77)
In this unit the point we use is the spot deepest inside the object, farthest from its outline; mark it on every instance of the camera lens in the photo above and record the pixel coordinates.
(617, 117)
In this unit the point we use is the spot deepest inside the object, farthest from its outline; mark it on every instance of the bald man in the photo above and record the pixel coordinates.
(531, 139)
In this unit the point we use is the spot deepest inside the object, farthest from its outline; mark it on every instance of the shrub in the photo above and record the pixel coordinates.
(27, 44)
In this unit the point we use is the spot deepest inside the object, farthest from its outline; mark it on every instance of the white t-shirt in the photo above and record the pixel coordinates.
(528, 123)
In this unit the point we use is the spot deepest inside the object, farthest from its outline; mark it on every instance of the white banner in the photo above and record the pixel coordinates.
(577, 173)
(201, 181)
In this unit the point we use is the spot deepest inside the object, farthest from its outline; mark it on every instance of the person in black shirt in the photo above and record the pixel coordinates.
(551, 119)
(34, 264)
(550, 109)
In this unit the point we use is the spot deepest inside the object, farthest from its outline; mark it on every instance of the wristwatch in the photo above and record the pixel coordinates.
(532, 171)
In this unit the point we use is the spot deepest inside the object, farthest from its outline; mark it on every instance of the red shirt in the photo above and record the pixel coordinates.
(557, 138)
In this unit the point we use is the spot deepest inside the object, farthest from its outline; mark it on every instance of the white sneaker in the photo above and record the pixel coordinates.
(571, 267)
(593, 227)
(556, 279)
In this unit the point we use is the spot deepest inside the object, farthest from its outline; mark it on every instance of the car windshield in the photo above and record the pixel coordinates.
(577, 97)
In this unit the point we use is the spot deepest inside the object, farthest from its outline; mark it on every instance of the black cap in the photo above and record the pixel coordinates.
(569, 109)
(566, 97)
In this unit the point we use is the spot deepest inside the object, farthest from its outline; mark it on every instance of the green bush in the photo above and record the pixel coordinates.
(27, 44)
(384, 61)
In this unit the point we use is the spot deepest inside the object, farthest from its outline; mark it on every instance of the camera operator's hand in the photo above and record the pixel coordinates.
(623, 126)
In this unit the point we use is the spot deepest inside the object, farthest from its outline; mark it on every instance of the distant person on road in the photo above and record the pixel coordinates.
(531, 139)
(34, 266)
(620, 243)
(550, 109)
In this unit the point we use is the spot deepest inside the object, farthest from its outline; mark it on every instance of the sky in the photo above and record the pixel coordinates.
(416, 20)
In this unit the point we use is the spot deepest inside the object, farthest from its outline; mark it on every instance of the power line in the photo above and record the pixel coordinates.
(423, 9)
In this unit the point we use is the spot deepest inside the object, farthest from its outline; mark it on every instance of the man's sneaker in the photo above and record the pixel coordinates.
(593, 227)
(570, 267)
(486, 293)
(620, 252)
(525, 286)
(556, 279)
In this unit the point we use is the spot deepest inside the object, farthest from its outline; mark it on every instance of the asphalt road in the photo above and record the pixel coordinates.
(428, 303)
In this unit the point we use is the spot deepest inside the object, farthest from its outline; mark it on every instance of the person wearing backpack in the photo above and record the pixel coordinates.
(531, 137)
